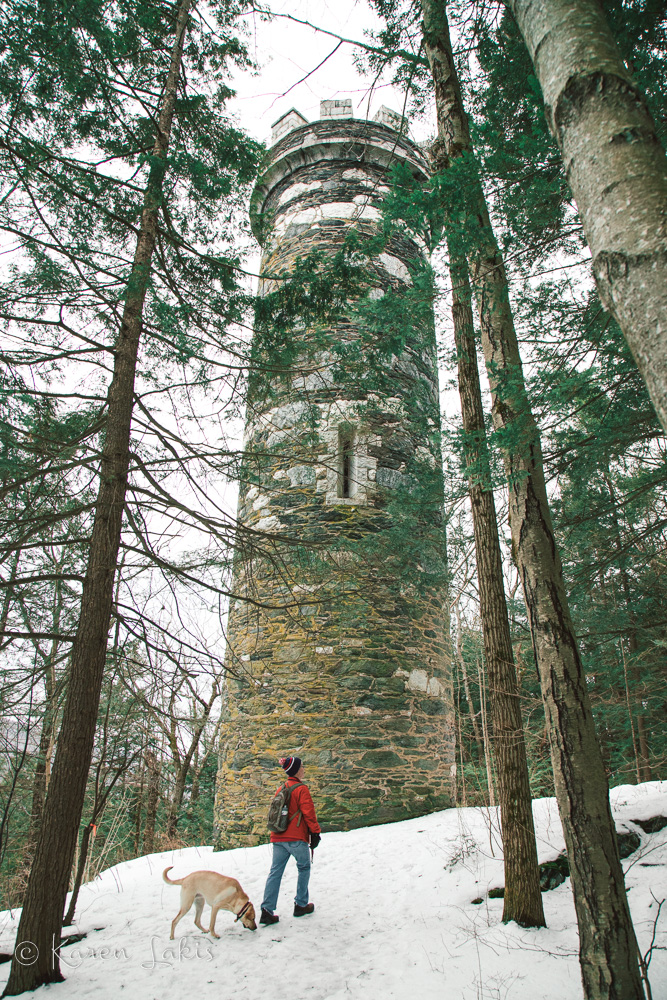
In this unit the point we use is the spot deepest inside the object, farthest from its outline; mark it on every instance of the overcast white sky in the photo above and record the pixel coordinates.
(287, 52)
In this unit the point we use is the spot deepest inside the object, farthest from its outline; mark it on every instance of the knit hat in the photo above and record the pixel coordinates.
(290, 764)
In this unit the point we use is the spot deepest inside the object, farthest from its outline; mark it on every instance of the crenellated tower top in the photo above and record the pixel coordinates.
(337, 164)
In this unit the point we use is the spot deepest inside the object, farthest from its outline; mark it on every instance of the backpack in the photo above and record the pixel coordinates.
(278, 819)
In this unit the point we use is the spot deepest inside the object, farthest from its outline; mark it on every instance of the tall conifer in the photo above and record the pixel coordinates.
(89, 31)
(608, 948)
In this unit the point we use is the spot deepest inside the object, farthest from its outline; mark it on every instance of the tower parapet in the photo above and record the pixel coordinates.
(338, 645)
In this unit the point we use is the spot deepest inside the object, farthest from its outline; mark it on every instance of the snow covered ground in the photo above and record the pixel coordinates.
(393, 919)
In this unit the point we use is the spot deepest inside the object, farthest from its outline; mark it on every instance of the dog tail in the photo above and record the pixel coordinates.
(170, 881)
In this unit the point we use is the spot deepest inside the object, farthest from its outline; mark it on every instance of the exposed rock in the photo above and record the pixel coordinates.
(628, 842)
(389, 478)
(301, 475)
(553, 873)
(653, 825)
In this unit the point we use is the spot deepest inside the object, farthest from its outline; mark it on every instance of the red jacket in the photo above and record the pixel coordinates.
(302, 818)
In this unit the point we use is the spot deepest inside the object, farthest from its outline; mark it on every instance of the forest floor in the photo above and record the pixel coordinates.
(394, 918)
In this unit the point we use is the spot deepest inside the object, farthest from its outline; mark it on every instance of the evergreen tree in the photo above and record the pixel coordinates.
(596, 417)
(607, 943)
(522, 898)
(608, 950)
(119, 54)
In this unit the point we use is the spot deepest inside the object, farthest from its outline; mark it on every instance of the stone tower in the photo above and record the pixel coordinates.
(338, 649)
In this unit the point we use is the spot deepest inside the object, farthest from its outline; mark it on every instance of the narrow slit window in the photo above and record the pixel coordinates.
(346, 484)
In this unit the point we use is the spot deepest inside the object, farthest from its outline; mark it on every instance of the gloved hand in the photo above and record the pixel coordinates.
(314, 840)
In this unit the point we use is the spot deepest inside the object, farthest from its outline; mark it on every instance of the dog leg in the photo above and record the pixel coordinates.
(187, 898)
(214, 913)
(199, 906)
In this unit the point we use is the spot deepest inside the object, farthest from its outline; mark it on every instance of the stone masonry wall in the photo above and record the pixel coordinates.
(338, 650)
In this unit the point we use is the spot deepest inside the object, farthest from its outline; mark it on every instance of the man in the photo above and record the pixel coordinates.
(302, 830)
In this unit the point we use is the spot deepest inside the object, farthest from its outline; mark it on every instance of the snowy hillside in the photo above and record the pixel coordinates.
(394, 918)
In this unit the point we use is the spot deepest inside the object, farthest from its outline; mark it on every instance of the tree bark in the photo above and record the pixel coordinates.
(641, 751)
(183, 765)
(485, 735)
(176, 800)
(615, 166)
(523, 896)
(41, 776)
(466, 685)
(9, 594)
(47, 736)
(138, 807)
(152, 798)
(462, 799)
(607, 945)
(80, 868)
(41, 920)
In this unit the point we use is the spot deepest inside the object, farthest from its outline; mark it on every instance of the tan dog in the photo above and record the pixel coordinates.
(220, 892)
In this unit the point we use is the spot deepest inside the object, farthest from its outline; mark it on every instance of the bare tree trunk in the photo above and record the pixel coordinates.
(41, 919)
(80, 868)
(523, 896)
(643, 765)
(461, 800)
(152, 798)
(9, 593)
(485, 734)
(184, 764)
(607, 945)
(615, 166)
(42, 767)
(466, 684)
(47, 735)
(645, 773)
(194, 790)
(628, 705)
(138, 807)
(176, 800)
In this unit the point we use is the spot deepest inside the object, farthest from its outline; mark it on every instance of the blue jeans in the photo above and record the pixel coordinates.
(282, 851)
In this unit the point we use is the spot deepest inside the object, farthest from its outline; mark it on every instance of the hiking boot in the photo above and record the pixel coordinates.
(301, 911)
(268, 918)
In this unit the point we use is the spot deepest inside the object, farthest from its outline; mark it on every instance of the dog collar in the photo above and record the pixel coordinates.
(242, 911)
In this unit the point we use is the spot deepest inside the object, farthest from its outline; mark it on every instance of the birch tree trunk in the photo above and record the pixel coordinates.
(615, 167)
(36, 958)
(607, 945)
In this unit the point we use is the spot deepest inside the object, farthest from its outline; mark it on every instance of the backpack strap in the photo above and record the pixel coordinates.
(292, 788)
